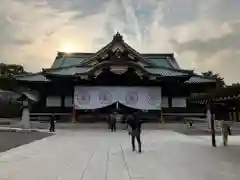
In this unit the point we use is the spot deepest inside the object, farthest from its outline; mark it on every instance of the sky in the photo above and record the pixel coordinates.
(203, 34)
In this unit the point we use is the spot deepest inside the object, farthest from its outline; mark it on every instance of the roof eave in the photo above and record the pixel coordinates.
(19, 78)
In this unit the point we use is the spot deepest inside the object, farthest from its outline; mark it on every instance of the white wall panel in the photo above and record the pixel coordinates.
(53, 101)
(165, 102)
(179, 102)
(68, 101)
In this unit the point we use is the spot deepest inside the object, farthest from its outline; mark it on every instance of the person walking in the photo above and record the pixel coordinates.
(52, 123)
(135, 124)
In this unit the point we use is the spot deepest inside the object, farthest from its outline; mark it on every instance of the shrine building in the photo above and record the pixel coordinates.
(81, 86)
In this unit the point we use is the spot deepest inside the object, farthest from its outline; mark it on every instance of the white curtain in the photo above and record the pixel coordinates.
(140, 97)
(93, 97)
(53, 101)
(179, 102)
(136, 97)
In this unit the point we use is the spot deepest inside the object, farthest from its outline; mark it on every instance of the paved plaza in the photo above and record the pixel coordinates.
(101, 155)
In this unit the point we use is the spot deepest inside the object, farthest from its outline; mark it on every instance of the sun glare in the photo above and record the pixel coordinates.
(67, 48)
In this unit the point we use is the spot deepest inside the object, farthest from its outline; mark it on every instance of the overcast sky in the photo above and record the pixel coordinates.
(204, 34)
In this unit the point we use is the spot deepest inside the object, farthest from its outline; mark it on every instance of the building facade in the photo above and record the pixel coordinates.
(115, 78)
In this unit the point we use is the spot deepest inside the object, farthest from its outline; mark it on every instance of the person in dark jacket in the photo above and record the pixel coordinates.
(52, 123)
(135, 124)
(226, 131)
(229, 130)
(113, 122)
(124, 122)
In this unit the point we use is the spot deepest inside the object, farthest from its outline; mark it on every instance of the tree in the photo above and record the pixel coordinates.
(7, 71)
(235, 84)
(10, 70)
(220, 80)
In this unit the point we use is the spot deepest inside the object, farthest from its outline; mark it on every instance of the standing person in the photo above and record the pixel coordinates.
(225, 132)
(124, 122)
(52, 123)
(229, 130)
(113, 122)
(135, 123)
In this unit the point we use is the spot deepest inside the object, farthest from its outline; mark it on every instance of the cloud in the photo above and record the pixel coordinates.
(220, 41)
(226, 62)
(219, 53)
(204, 34)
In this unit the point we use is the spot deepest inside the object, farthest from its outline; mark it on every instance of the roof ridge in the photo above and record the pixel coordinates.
(98, 52)
(117, 38)
(158, 54)
(127, 46)
(60, 53)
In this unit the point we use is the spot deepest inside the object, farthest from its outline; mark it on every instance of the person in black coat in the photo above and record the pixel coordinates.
(113, 122)
(108, 117)
(52, 123)
(136, 124)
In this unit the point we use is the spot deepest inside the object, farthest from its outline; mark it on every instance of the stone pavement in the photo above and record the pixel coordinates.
(102, 155)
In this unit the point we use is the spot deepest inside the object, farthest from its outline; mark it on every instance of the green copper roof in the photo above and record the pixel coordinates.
(38, 77)
(166, 72)
(162, 60)
(69, 64)
(63, 60)
(119, 46)
(200, 79)
(159, 60)
(69, 71)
